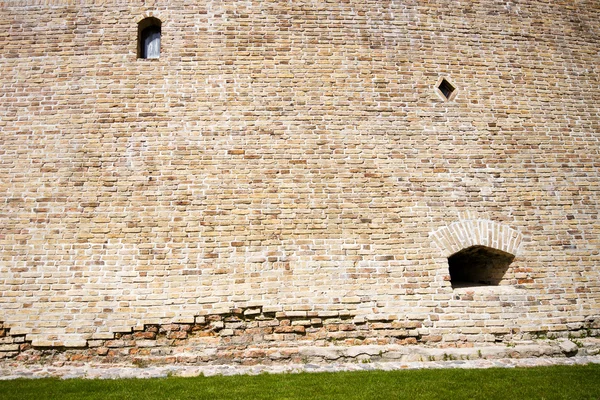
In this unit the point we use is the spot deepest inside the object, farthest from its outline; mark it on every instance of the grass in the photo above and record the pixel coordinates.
(558, 382)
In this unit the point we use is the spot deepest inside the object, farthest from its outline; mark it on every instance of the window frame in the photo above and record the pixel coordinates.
(146, 28)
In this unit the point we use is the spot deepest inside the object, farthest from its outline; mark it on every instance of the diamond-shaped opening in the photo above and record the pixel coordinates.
(478, 266)
(446, 88)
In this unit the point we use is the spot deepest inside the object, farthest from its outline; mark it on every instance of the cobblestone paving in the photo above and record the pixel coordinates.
(121, 371)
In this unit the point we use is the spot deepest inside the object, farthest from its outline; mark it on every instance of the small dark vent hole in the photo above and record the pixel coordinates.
(478, 266)
(446, 88)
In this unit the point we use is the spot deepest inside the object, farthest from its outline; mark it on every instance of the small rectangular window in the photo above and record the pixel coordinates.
(149, 33)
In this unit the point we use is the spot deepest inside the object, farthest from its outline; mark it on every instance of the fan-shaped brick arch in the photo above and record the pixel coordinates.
(478, 232)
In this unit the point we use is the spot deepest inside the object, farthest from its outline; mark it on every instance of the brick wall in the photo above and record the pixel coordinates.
(295, 161)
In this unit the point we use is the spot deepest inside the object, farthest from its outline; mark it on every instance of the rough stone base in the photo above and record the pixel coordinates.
(304, 354)
(249, 337)
(329, 359)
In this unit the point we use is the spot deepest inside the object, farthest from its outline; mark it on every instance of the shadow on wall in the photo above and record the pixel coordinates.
(478, 265)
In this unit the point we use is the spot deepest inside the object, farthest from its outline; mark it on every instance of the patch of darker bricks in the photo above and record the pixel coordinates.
(176, 334)
(242, 323)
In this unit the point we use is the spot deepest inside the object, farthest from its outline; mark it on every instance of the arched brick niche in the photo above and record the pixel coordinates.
(479, 252)
(478, 265)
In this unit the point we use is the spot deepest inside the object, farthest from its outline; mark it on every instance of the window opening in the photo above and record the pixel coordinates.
(478, 266)
(446, 88)
(149, 33)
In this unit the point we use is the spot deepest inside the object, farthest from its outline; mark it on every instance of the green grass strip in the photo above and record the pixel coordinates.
(557, 382)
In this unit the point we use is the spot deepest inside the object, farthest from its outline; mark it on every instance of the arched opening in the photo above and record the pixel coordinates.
(149, 32)
(478, 266)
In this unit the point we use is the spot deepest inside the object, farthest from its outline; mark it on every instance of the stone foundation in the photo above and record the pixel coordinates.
(253, 337)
